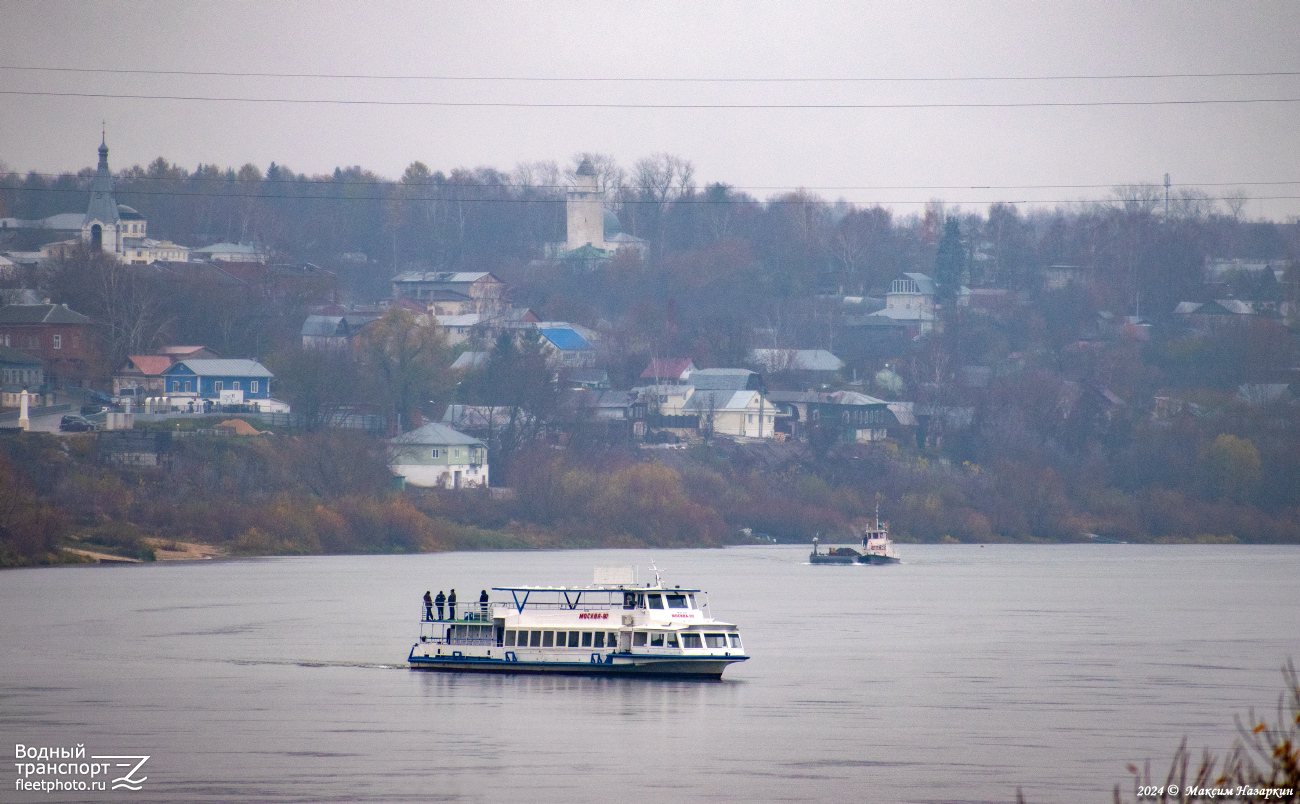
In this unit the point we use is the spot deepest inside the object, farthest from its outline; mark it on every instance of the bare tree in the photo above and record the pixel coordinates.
(1139, 198)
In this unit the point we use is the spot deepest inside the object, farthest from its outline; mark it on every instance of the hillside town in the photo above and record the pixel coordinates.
(992, 377)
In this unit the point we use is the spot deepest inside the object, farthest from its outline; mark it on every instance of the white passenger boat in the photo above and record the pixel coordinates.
(613, 627)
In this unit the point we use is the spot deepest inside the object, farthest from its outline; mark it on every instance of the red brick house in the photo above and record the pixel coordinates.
(60, 337)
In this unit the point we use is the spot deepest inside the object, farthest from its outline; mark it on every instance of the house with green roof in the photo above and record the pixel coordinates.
(436, 456)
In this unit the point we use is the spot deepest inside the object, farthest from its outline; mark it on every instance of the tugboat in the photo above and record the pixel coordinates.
(876, 549)
(614, 627)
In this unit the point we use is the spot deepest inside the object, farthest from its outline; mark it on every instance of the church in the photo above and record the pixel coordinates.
(593, 232)
(107, 226)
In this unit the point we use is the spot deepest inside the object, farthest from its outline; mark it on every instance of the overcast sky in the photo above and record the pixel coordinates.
(858, 150)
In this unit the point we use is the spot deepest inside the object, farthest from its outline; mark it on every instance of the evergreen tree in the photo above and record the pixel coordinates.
(950, 261)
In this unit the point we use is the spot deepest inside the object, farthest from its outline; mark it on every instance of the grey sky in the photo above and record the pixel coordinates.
(752, 148)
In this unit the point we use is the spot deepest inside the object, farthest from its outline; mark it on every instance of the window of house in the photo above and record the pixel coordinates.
(691, 641)
(639, 639)
(433, 453)
(235, 385)
(187, 386)
(58, 341)
(218, 385)
(457, 455)
(176, 386)
(252, 387)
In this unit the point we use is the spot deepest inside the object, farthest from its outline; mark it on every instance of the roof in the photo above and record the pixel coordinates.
(435, 433)
(722, 379)
(586, 252)
(65, 221)
(40, 314)
(446, 277)
(901, 314)
(102, 207)
(472, 360)
(226, 248)
(721, 399)
(566, 340)
(225, 368)
(10, 355)
(465, 320)
(924, 284)
(904, 412)
(329, 326)
(773, 360)
(181, 351)
(586, 168)
(854, 398)
(668, 367)
(149, 365)
(128, 213)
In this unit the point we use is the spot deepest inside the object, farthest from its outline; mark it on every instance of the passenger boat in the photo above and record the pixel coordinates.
(614, 627)
(876, 549)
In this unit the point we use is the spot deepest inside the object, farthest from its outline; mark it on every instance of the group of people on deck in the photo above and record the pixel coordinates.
(450, 602)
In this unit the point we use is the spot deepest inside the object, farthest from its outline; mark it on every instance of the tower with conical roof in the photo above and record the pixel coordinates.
(586, 210)
(102, 228)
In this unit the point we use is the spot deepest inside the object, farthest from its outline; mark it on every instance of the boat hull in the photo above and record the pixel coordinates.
(701, 669)
(879, 560)
(822, 558)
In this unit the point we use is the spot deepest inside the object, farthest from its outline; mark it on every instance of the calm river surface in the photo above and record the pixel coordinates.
(955, 677)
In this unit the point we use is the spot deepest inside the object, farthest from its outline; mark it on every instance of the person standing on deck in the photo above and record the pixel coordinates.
(483, 603)
(451, 604)
(440, 599)
(428, 606)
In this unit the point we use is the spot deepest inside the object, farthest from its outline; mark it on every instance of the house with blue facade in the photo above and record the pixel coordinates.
(221, 381)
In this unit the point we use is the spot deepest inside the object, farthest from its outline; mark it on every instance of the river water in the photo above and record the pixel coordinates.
(958, 676)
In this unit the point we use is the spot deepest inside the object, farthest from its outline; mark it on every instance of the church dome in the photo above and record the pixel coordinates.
(612, 225)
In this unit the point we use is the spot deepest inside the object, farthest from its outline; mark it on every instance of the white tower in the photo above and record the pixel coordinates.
(586, 208)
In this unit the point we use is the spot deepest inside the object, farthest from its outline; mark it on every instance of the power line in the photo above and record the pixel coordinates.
(326, 180)
(691, 201)
(732, 106)
(661, 79)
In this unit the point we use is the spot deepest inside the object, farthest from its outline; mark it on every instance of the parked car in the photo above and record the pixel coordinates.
(76, 424)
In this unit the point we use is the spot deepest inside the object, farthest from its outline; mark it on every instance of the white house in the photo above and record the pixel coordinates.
(747, 414)
(435, 455)
(910, 302)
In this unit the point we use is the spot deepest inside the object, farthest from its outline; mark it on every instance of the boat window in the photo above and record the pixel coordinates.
(586, 639)
(548, 639)
(613, 638)
(657, 639)
(735, 640)
(672, 640)
(638, 639)
(510, 639)
(536, 641)
(691, 641)
(692, 599)
(715, 640)
(629, 600)
(656, 602)
(600, 639)
(573, 638)
(677, 601)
